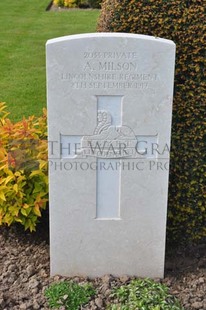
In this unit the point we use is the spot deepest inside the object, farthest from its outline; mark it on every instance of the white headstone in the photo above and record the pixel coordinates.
(109, 111)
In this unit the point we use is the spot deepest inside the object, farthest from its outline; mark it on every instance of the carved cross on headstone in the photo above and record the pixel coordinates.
(112, 141)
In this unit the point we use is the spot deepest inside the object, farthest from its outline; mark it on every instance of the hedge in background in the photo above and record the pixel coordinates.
(23, 169)
(184, 23)
(95, 4)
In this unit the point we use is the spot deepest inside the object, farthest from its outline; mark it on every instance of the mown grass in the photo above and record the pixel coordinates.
(25, 26)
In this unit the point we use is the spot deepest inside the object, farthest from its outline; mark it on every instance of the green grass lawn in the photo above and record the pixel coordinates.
(25, 27)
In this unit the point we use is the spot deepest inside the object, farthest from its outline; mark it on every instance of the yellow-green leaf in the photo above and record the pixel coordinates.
(2, 196)
(15, 188)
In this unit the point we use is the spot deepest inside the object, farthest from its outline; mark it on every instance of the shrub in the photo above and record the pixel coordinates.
(95, 4)
(182, 22)
(78, 3)
(70, 3)
(144, 294)
(58, 2)
(69, 295)
(23, 169)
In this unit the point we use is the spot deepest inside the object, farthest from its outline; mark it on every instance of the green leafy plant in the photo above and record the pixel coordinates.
(68, 294)
(184, 23)
(143, 294)
(23, 169)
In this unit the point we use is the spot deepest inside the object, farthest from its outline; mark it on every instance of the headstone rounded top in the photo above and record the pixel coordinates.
(109, 35)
